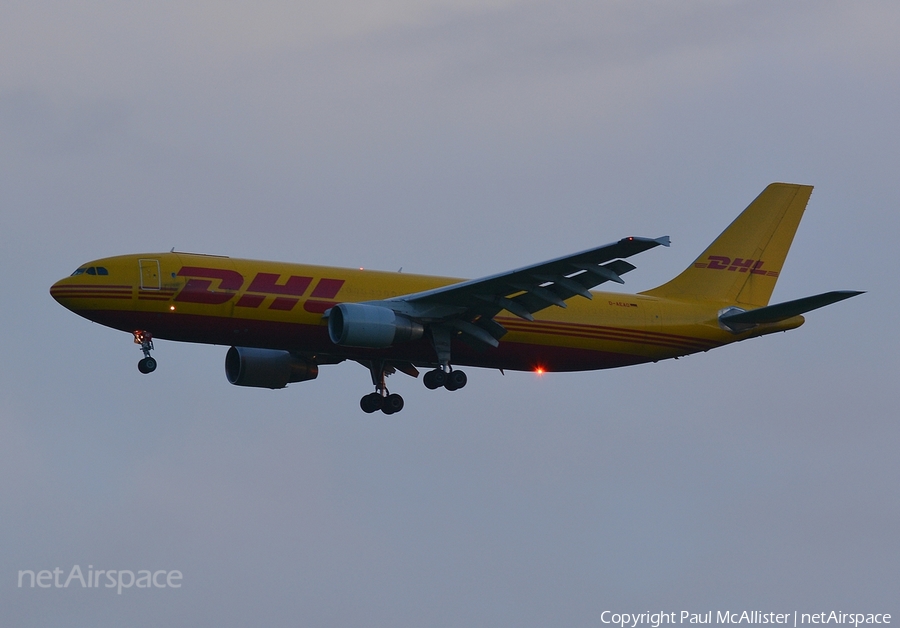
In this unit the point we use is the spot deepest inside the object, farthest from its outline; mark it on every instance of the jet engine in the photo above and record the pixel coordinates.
(266, 368)
(370, 326)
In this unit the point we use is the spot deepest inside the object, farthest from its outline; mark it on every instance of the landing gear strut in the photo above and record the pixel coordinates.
(381, 399)
(145, 339)
(444, 375)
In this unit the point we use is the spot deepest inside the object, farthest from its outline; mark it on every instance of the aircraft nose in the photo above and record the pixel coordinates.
(59, 289)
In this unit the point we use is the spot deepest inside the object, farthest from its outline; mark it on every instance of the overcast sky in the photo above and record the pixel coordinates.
(464, 139)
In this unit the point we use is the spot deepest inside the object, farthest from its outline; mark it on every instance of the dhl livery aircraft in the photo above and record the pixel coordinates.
(282, 321)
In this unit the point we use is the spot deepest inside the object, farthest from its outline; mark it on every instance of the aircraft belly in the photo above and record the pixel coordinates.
(218, 330)
(573, 355)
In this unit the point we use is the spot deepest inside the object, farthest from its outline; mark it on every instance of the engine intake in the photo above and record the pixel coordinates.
(266, 368)
(370, 326)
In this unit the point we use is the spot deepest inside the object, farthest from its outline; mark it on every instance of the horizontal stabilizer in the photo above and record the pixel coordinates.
(788, 309)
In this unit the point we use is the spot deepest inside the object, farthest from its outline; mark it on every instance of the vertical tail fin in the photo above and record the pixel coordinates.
(742, 264)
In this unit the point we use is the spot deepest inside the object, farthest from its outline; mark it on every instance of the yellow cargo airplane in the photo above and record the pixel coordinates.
(284, 320)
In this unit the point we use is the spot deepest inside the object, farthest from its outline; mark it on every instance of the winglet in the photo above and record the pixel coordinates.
(664, 240)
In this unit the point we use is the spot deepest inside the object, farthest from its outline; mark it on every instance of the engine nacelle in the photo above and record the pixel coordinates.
(266, 368)
(370, 326)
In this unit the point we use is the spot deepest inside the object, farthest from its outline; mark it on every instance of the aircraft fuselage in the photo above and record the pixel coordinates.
(224, 301)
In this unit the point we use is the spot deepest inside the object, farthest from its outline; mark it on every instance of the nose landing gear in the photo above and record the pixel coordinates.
(145, 339)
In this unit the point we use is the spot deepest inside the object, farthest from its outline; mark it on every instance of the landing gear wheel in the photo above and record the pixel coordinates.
(455, 380)
(434, 379)
(392, 403)
(381, 399)
(145, 339)
(372, 402)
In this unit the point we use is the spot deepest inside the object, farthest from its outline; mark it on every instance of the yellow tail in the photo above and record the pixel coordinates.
(742, 265)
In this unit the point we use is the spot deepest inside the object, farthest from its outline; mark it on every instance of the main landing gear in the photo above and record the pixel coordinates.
(451, 380)
(381, 399)
(387, 403)
(444, 375)
(145, 339)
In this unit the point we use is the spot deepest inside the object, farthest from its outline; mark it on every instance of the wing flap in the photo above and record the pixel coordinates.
(502, 303)
(474, 331)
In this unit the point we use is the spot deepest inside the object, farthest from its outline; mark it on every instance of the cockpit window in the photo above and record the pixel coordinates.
(91, 270)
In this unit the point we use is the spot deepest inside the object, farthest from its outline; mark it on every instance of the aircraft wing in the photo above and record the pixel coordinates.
(468, 307)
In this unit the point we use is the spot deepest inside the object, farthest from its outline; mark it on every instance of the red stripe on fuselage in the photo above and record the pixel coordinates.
(607, 333)
(90, 295)
(314, 339)
(89, 285)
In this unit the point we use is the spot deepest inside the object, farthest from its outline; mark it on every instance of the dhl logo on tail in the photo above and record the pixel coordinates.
(720, 262)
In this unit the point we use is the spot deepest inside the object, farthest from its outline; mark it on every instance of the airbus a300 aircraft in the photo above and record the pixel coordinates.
(283, 321)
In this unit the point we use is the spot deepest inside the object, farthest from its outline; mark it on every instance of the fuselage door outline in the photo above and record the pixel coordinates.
(149, 274)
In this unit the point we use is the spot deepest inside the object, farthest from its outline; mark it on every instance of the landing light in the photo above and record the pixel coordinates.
(172, 308)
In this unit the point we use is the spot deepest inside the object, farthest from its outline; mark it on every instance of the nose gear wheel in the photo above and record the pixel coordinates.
(145, 339)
